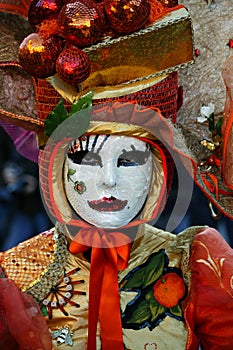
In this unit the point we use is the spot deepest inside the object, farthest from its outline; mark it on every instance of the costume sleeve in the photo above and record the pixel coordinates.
(21, 324)
(24, 140)
(211, 301)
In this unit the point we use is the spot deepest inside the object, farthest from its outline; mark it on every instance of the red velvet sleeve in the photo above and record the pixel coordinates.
(21, 324)
(211, 305)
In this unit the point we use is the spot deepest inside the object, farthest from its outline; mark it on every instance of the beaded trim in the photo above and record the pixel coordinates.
(41, 287)
(61, 294)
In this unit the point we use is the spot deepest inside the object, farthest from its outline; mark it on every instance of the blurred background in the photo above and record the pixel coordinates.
(22, 214)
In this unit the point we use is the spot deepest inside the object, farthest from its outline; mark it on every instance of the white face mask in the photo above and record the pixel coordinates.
(107, 178)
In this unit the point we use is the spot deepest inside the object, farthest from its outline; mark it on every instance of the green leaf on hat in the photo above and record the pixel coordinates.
(218, 126)
(78, 124)
(82, 103)
(76, 127)
(55, 118)
(211, 122)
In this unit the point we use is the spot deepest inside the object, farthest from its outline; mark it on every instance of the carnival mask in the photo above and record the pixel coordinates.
(107, 178)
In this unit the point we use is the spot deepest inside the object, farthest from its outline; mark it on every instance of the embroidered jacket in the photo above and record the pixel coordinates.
(170, 299)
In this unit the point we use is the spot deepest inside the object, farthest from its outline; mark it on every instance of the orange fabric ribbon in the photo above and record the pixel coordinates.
(213, 187)
(110, 253)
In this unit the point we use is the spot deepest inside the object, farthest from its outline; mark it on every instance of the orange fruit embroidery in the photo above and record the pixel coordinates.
(169, 289)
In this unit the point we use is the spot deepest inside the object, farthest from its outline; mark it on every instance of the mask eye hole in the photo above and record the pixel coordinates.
(86, 158)
(132, 158)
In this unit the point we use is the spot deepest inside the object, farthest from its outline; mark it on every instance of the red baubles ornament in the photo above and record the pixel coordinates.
(197, 52)
(73, 65)
(37, 56)
(169, 3)
(81, 22)
(41, 10)
(127, 16)
(230, 43)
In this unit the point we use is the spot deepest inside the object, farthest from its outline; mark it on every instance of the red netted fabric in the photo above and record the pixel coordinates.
(160, 8)
(163, 95)
(169, 3)
(47, 98)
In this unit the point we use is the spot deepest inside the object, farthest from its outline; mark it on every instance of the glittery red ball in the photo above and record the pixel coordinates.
(37, 56)
(41, 10)
(169, 3)
(230, 43)
(127, 16)
(81, 22)
(73, 65)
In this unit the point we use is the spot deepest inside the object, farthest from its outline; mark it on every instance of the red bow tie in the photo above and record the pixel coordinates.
(110, 254)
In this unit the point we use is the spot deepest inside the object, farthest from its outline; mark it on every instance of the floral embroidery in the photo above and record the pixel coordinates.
(79, 186)
(159, 288)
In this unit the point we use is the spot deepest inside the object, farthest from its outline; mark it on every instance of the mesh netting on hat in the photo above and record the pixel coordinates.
(163, 95)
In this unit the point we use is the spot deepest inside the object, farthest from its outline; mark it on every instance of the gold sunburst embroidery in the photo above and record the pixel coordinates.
(61, 294)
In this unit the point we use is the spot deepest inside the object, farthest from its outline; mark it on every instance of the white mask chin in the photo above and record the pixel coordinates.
(107, 178)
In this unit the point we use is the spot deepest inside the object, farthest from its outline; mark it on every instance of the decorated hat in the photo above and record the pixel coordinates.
(121, 64)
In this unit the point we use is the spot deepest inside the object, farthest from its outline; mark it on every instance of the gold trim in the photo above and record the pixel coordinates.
(40, 288)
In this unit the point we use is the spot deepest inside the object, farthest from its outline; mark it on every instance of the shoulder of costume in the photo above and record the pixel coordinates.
(211, 262)
(212, 240)
(39, 259)
(211, 298)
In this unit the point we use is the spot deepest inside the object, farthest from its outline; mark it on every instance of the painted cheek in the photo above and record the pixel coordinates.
(141, 188)
(84, 174)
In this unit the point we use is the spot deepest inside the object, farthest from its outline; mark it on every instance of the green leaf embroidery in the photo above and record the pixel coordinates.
(154, 269)
(155, 308)
(134, 281)
(141, 313)
(176, 311)
(55, 118)
(144, 310)
(44, 310)
(146, 274)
